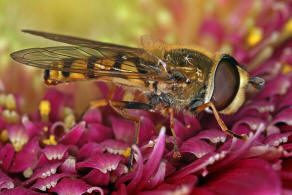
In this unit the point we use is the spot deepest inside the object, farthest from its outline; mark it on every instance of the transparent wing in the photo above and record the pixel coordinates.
(80, 41)
(94, 62)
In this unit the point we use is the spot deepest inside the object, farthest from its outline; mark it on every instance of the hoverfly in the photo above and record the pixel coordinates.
(171, 77)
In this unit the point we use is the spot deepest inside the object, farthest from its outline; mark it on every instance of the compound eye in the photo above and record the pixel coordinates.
(226, 82)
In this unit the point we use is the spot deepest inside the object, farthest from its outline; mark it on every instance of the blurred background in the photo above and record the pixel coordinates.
(213, 24)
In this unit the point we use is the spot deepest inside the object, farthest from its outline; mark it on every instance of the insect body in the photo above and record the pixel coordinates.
(177, 77)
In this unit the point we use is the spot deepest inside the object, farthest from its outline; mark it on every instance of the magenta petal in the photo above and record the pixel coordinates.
(252, 122)
(253, 176)
(33, 128)
(27, 157)
(147, 130)
(153, 162)
(74, 134)
(256, 108)
(213, 135)
(187, 180)
(17, 134)
(96, 133)
(95, 177)
(88, 149)
(196, 166)
(265, 152)
(191, 123)
(181, 131)
(103, 162)
(137, 174)
(57, 101)
(121, 190)
(121, 169)
(74, 187)
(277, 86)
(197, 147)
(212, 28)
(92, 115)
(285, 116)
(270, 69)
(21, 191)
(6, 156)
(158, 178)
(171, 190)
(104, 88)
(277, 139)
(47, 183)
(123, 129)
(55, 152)
(44, 171)
(5, 181)
(2, 121)
(185, 183)
(286, 101)
(69, 165)
(114, 146)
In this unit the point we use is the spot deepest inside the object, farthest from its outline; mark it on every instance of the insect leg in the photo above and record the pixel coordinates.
(101, 102)
(136, 121)
(176, 153)
(119, 107)
(220, 121)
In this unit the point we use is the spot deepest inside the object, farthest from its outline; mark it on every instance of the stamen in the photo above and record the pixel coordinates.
(127, 152)
(10, 102)
(69, 121)
(288, 27)
(45, 108)
(10, 116)
(4, 136)
(27, 173)
(66, 111)
(50, 141)
(3, 99)
(254, 36)
(46, 128)
(18, 144)
(286, 68)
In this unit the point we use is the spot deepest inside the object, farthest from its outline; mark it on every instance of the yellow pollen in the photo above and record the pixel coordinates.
(4, 136)
(286, 68)
(46, 128)
(50, 141)
(10, 102)
(27, 173)
(69, 121)
(45, 108)
(18, 144)
(10, 116)
(254, 37)
(288, 26)
(3, 99)
(66, 111)
(127, 152)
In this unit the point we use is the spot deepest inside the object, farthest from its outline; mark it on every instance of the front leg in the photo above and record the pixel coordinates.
(219, 120)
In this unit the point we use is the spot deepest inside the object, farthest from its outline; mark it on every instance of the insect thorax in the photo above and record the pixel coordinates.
(189, 69)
